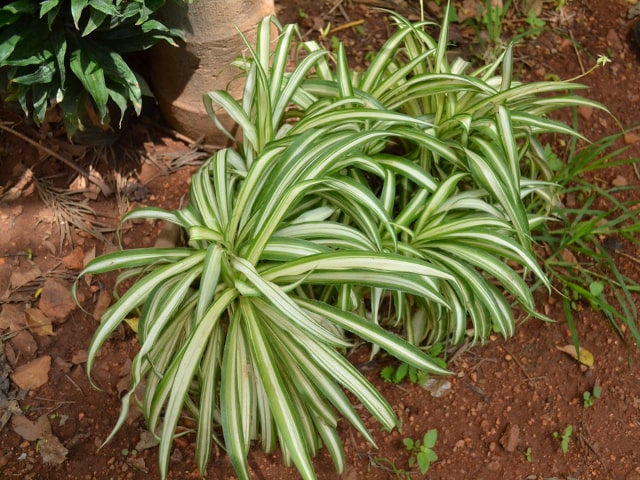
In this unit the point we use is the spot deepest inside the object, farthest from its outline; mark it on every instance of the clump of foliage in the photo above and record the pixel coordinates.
(564, 438)
(422, 453)
(589, 397)
(586, 232)
(70, 53)
(387, 206)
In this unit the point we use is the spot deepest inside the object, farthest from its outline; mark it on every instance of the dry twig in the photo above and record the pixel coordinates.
(104, 188)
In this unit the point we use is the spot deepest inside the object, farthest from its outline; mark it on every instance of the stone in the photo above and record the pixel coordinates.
(585, 112)
(631, 138)
(511, 438)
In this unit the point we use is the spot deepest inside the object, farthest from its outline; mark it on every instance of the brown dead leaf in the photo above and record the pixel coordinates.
(79, 357)
(31, 431)
(49, 446)
(510, 438)
(90, 190)
(467, 10)
(535, 5)
(147, 440)
(585, 357)
(56, 301)
(23, 188)
(568, 256)
(33, 374)
(75, 259)
(8, 410)
(20, 278)
(38, 322)
(12, 317)
(24, 344)
(631, 138)
(102, 303)
(137, 463)
(51, 450)
(620, 181)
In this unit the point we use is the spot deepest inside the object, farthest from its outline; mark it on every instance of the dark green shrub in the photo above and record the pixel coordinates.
(70, 53)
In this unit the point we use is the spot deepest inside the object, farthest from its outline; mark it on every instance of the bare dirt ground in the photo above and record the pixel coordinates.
(498, 415)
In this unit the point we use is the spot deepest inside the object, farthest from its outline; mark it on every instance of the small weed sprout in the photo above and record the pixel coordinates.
(403, 371)
(564, 438)
(534, 21)
(589, 397)
(422, 452)
(398, 374)
(528, 455)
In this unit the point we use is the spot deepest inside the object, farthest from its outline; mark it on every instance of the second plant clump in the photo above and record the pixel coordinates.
(390, 206)
(71, 53)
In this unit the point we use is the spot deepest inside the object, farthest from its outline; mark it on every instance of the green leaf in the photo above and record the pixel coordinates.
(12, 12)
(430, 438)
(8, 44)
(96, 19)
(105, 6)
(44, 74)
(596, 288)
(280, 400)
(401, 373)
(48, 5)
(387, 373)
(91, 75)
(77, 7)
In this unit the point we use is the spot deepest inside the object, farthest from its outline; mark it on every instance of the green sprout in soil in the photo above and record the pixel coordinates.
(399, 373)
(591, 228)
(589, 397)
(564, 438)
(528, 455)
(422, 452)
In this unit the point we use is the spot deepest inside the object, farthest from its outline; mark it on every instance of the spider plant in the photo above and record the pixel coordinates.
(463, 207)
(243, 327)
(344, 193)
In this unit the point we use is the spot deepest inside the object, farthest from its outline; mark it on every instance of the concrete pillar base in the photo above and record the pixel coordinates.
(181, 76)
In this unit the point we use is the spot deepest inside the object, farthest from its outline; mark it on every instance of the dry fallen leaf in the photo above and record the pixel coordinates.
(102, 304)
(33, 374)
(51, 450)
(10, 408)
(75, 259)
(38, 322)
(568, 256)
(147, 440)
(585, 357)
(138, 463)
(24, 344)
(133, 323)
(12, 317)
(79, 357)
(31, 431)
(56, 301)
